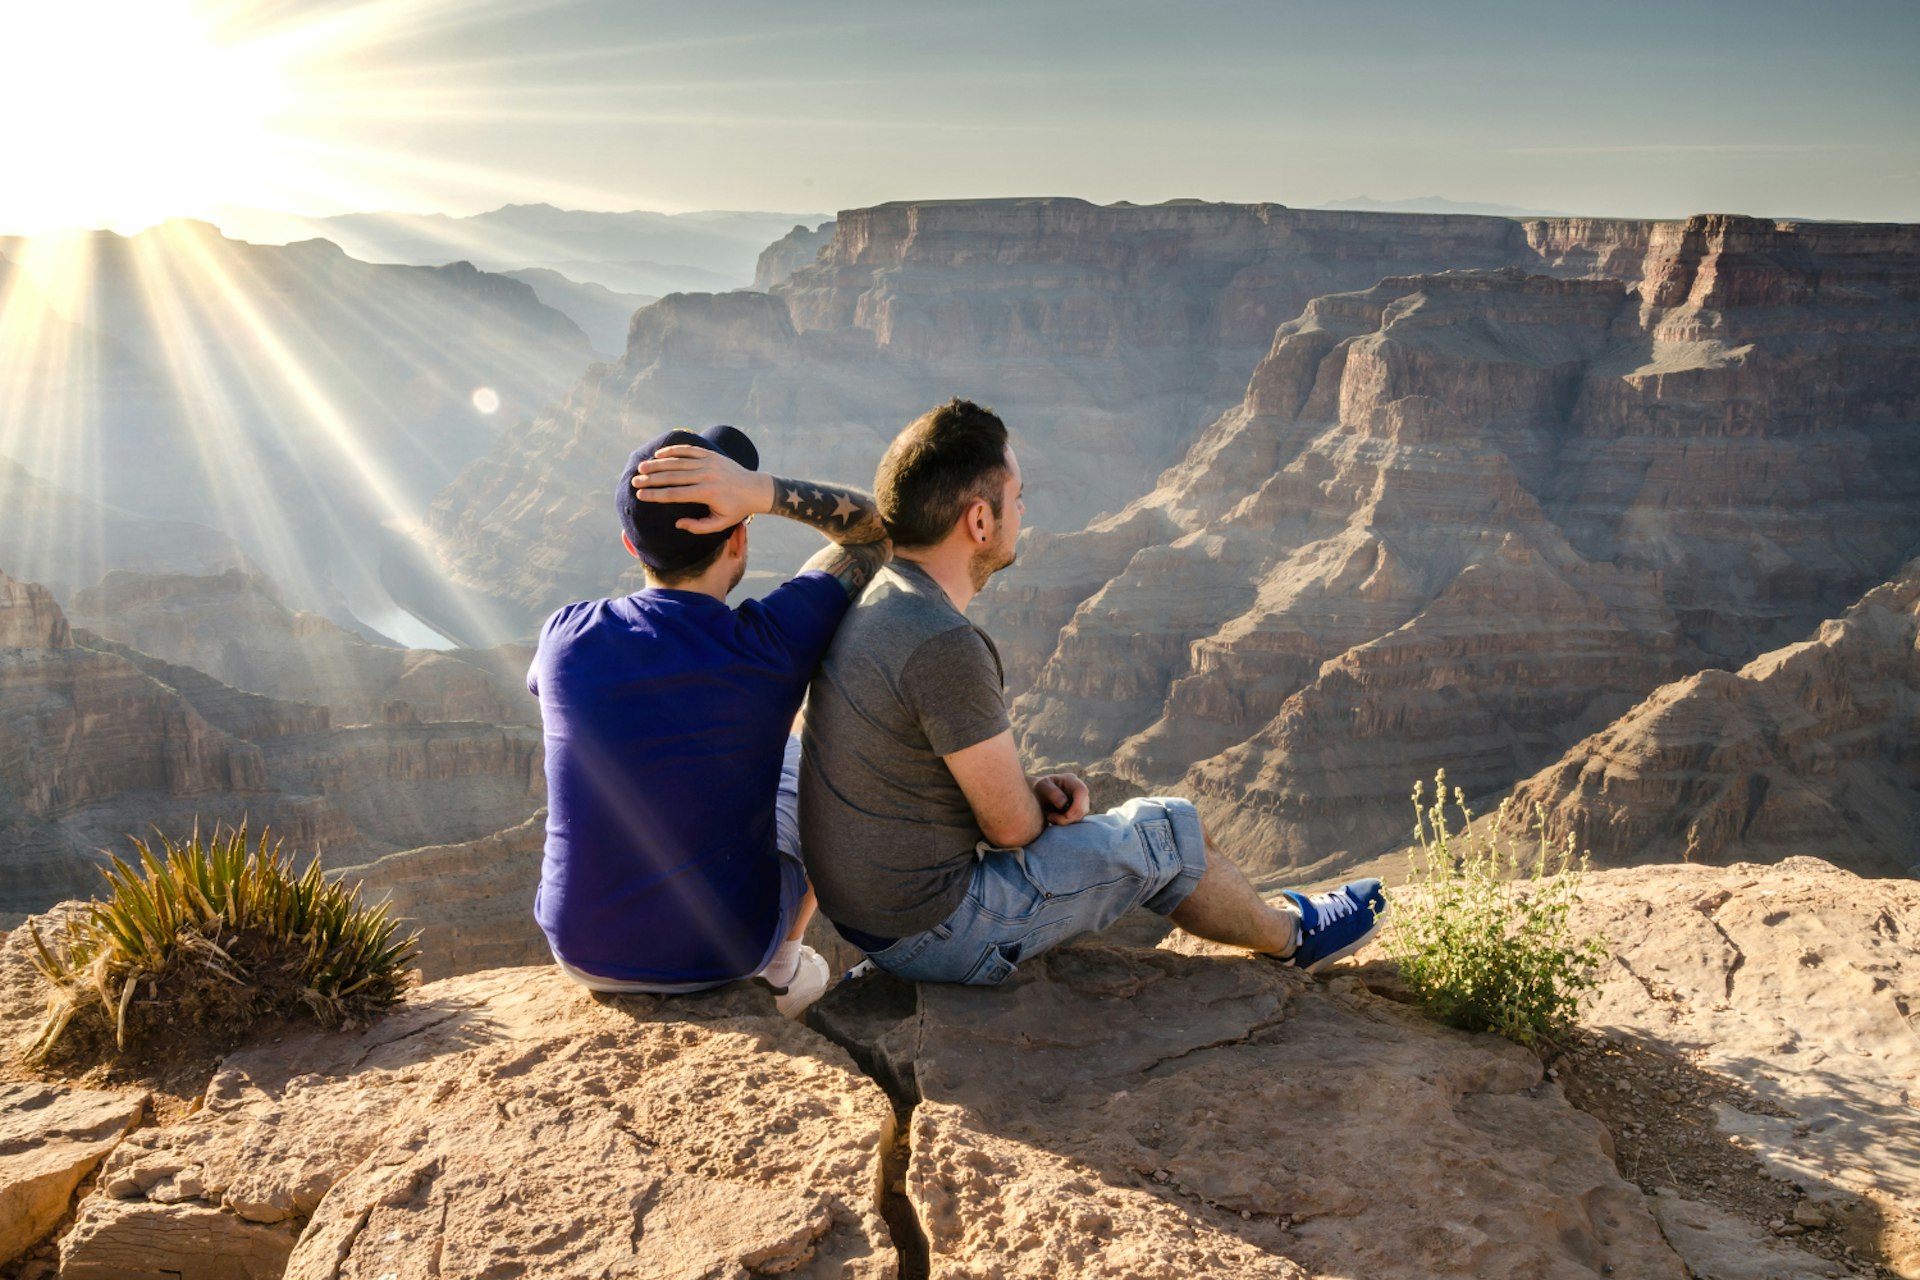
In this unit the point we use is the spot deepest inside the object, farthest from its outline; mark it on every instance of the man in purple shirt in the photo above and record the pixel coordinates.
(672, 857)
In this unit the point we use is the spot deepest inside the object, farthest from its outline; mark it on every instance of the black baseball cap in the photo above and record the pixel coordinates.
(653, 526)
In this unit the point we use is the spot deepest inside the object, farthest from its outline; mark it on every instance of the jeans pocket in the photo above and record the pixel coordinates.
(992, 968)
(1156, 836)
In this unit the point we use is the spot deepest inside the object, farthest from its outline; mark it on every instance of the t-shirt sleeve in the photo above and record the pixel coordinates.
(800, 615)
(540, 649)
(953, 684)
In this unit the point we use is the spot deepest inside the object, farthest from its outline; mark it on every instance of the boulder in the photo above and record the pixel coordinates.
(51, 1137)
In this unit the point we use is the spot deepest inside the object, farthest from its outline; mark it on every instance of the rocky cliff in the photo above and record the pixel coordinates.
(1107, 337)
(234, 628)
(796, 249)
(1815, 745)
(98, 740)
(1464, 519)
(1736, 1103)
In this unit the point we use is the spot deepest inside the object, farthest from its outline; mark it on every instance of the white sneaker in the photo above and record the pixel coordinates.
(811, 978)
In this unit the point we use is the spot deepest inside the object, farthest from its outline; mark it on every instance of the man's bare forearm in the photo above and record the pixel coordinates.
(847, 516)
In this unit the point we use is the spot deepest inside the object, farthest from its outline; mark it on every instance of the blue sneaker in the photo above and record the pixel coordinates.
(1337, 923)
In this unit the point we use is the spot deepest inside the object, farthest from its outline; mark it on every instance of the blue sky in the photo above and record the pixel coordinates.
(1625, 107)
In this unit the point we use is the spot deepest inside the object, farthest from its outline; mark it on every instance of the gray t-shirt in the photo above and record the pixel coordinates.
(888, 834)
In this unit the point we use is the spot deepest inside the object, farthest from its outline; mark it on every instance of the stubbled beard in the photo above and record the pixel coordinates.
(986, 562)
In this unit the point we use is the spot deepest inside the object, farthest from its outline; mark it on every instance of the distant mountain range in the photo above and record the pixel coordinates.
(1440, 204)
(634, 252)
(289, 396)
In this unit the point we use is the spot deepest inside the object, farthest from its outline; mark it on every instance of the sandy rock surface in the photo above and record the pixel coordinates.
(50, 1138)
(511, 1121)
(1802, 982)
(1122, 1112)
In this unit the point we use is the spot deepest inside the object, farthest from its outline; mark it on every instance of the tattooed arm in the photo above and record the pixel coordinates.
(848, 517)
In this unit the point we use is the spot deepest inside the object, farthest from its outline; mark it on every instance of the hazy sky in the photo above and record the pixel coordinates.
(1624, 107)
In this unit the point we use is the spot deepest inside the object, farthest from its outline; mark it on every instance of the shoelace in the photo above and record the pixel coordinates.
(1328, 907)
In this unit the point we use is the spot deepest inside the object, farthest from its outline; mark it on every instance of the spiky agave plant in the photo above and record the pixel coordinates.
(219, 933)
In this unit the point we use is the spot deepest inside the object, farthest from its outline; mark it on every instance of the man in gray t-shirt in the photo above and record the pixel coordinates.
(927, 843)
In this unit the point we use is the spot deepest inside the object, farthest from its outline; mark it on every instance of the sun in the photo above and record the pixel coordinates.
(126, 112)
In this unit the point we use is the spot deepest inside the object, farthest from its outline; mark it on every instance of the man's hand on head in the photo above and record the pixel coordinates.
(1063, 798)
(685, 473)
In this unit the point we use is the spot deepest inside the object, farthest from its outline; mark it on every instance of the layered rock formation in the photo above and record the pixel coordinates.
(796, 249)
(290, 396)
(471, 902)
(1462, 520)
(234, 628)
(1106, 336)
(1114, 1110)
(1815, 746)
(97, 741)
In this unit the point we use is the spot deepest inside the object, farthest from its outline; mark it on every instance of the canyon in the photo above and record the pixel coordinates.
(99, 740)
(1107, 336)
(1432, 491)
(1617, 518)
(1462, 520)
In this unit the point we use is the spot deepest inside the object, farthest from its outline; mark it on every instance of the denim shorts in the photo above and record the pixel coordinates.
(793, 888)
(1075, 879)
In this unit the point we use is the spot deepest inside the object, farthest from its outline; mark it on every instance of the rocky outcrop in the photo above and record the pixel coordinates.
(1107, 337)
(1799, 981)
(1463, 520)
(1813, 746)
(50, 1138)
(99, 742)
(472, 902)
(1116, 1109)
(714, 1137)
(233, 627)
(1225, 1116)
(796, 249)
(79, 727)
(29, 618)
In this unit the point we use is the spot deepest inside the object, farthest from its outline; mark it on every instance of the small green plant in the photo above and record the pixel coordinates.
(1489, 946)
(215, 934)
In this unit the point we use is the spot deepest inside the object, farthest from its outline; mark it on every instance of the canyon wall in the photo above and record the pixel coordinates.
(1106, 336)
(98, 740)
(1463, 520)
(233, 627)
(1812, 746)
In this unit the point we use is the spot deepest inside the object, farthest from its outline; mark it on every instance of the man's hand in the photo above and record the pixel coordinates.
(1063, 798)
(685, 473)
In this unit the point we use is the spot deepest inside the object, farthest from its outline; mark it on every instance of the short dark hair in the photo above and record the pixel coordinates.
(941, 462)
(688, 572)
